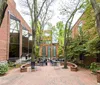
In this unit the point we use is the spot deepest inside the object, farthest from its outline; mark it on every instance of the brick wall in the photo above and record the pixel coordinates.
(75, 27)
(87, 60)
(51, 51)
(4, 30)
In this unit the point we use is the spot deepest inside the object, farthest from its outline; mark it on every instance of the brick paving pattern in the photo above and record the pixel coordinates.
(49, 75)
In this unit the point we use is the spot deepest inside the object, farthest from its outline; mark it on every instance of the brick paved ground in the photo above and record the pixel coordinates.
(49, 75)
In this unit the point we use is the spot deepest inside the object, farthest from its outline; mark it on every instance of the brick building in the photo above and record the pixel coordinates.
(76, 26)
(83, 21)
(75, 32)
(14, 34)
(47, 48)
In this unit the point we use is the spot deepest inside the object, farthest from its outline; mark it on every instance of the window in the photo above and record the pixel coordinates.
(25, 40)
(48, 42)
(14, 38)
(54, 51)
(49, 51)
(30, 43)
(43, 51)
(80, 27)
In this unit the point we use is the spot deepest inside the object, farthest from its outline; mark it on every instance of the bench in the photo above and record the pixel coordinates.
(73, 66)
(23, 67)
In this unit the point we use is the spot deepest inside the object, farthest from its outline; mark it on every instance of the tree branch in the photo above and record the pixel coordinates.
(41, 8)
(3, 6)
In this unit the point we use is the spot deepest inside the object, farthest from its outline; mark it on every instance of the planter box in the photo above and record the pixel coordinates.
(98, 76)
(33, 70)
(73, 68)
(23, 69)
(3, 74)
(62, 63)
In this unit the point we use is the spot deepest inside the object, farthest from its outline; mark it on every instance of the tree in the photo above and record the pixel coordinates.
(45, 16)
(70, 12)
(60, 28)
(77, 45)
(58, 33)
(3, 6)
(34, 10)
(96, 7)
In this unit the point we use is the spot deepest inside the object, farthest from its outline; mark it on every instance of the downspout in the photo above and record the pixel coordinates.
(8, 33)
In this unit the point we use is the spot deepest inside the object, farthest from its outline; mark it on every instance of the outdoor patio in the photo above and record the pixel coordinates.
(49, 75)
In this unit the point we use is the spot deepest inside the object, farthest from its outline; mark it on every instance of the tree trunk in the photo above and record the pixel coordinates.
(96, 8)
(3, 6)
(33, 49)
(98, 23)
(65, 47)
(34, 27)
(33, 44)
(40, 37)
(65, 56)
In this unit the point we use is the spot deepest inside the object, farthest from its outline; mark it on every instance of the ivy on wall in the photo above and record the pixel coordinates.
(88, 18)
(87, 43)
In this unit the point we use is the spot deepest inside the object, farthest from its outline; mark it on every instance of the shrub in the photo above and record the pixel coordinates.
(93, 47)
(3, 69)
(11, 64)
(94, 67)
(84, 66)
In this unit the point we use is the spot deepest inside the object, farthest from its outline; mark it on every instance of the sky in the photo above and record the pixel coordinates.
(56, 16)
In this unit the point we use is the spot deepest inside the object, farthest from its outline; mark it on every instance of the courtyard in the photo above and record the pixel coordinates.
(49, 75)
(37, 35)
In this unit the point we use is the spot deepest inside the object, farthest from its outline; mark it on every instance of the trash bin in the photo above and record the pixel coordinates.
(32, 65)
(98, 76)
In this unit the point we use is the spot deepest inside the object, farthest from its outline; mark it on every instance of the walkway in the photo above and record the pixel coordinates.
(49, 75)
